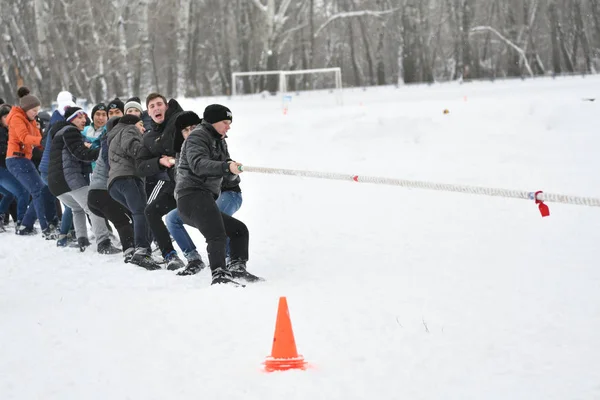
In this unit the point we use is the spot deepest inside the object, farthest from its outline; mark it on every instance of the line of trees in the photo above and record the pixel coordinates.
(101, 48)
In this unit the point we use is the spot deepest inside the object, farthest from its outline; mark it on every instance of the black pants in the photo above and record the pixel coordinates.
(200, 210)
(101, 204)
(160, 202)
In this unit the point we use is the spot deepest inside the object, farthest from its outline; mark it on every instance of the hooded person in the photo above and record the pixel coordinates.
(68, 179)
(126, 184)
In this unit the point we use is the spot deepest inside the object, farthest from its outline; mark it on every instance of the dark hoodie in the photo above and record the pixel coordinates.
(160, 141)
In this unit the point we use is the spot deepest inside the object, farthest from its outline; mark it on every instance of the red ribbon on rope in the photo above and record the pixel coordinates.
(544, 210)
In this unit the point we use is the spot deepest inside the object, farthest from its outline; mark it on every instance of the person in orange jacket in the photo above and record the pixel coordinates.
(23, 136)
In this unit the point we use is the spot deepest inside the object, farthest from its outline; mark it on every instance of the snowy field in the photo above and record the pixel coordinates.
(393, 293)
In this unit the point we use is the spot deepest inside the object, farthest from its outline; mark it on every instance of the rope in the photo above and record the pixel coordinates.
(446, 187)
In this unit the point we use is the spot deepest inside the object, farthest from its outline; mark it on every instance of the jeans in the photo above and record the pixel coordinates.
(11, 189)
(43, 202)
(130, 193)
(228, 203)
(66, 223)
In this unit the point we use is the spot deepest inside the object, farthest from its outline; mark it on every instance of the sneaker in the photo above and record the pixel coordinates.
(221, 276)
(127, 254)
(25, 231)
(106, 247)
(193, 267)
(50, 233)
(83, 243)
(237, 269)
(62, 241)
(141, 257)
(173, 261)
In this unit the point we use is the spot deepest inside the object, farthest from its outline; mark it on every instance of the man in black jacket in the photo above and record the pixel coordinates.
(160, 143)
(204, 163)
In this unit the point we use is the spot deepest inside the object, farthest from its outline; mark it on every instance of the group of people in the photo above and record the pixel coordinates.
(127, 168)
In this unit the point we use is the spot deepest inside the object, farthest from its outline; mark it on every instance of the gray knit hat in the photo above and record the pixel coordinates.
(27, 101)
(132, 104)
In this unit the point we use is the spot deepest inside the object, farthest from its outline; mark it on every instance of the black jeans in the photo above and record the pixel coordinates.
(200, 210)
(130, 193)
(160, 202)
(101, 204)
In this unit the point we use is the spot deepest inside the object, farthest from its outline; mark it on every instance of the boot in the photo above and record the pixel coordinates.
(142, 258)
(173, 261)
(106, 247)
(193, 267)
(237, 269)
(83, 243)
(221, 276)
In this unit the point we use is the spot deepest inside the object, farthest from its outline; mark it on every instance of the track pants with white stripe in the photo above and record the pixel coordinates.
(160, 202)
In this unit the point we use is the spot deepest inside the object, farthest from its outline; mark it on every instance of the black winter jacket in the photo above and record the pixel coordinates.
(70, 161)
(160, 142)
(203, 163)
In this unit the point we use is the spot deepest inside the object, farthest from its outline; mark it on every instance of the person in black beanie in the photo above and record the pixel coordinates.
(204, 163)
(116, 108)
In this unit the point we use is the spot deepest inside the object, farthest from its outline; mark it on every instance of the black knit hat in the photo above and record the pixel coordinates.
(116, 103)
(129, 119)
(185, 119)
(98, 107)
(4, 109)
(1, 101)
(216, 112)
(71, 113)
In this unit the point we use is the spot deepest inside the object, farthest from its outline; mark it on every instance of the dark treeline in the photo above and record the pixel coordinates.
(97, 49)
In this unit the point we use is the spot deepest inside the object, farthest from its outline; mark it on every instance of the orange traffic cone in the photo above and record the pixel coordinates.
(284, 355)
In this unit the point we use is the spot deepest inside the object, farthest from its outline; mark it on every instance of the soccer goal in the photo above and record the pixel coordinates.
(290, 81)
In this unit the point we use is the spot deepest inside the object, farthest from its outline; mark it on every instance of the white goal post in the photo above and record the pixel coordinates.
(284, 74)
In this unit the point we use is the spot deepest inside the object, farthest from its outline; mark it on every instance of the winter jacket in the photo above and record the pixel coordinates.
(70, 161)
(124, 147)
(93, 136)
(51, 130)
(99, 179)
(160, 142)
(3, 145)
(23, 134)
(203, 162)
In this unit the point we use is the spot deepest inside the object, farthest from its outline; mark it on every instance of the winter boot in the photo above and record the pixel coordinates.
(50, 233)
(127, 254)
(22, 230)
(142, 258)
(173, 261)
(83, 243)
(106, 247)
(237, 269)
(221, 276)
(193, 267)
(62, 240)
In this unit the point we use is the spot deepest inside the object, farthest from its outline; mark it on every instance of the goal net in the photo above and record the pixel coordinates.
(286, 83)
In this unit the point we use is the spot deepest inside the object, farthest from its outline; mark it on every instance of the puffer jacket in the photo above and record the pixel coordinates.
(70, 161)
(23, 134)
(203, 162)
(99, 179)
(51, 129)
(124, 148)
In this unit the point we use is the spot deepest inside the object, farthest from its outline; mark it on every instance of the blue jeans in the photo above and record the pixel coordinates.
(43, 202)
(11, 189)
(130, 193)
(228, 203)
(66, 223)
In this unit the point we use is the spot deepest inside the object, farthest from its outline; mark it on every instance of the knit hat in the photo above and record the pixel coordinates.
(4, 110)
(185, 119)
(1, 101)
(27, 101)
(216, 112)
(64, 99)
(132, 104)
(129, 119)
(72, 112)
(98, 107)
(116, 103)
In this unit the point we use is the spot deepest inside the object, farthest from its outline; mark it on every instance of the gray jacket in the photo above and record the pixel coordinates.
(203, 162)
(124, 147)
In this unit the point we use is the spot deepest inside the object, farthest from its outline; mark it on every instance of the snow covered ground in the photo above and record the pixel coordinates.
(393, 293)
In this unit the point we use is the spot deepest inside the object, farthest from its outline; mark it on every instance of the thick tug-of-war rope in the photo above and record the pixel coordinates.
(538, 196)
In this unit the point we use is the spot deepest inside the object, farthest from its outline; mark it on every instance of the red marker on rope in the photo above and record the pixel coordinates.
(544, 210)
